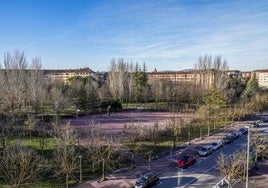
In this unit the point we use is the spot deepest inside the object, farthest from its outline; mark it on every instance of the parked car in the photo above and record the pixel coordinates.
(227, 139)
(205, 150)
(186, 161)
(235, 135)
(216, 145)
(148, 180)
(243, 131)
(255, 125)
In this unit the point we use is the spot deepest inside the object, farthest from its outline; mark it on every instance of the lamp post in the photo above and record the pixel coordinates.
(80, 167)
(247, 157)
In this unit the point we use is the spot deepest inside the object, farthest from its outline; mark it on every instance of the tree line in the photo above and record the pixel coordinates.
(26, 90)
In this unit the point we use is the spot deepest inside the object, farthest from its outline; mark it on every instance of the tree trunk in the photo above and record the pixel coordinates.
(67, 180)
(208, 127)
(103, 170)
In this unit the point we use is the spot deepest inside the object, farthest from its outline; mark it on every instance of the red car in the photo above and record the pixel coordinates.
(185, 161)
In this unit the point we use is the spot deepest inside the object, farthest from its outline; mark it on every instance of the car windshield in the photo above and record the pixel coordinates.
(214, 144)
(184, 158)
(203, 149)
(226, 137)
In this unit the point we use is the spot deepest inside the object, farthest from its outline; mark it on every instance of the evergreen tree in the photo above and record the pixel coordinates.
(142, 86)
(251, 88)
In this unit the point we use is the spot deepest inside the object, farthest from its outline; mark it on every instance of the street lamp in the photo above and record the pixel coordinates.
(80, 167)
(180, 176)
(247, 157)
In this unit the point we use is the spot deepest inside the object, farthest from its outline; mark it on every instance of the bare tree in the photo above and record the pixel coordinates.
(36, 84)
(101, 150)
(187, 130)
(176, 124)
(134, 135)
(233, 167)
(205, 115)
(154, 134)
(220, 67)
(4, 133)
(21, 85)
(65, 154)
(211, 73)
(131, 83)
(31, 123)
(20, 165)
(104, 152)
(118, 77)
(91, 143)
(259, 144)
(157, 88)
(59, 98)
(203, 71)
(13, 86)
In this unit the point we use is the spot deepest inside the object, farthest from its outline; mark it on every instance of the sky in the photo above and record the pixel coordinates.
(163, 34)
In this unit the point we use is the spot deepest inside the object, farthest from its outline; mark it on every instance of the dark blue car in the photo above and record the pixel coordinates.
(227, 139)
(147, 180)
(243, 131)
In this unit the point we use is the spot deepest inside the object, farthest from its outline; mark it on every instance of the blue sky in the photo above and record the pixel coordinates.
(165, 34)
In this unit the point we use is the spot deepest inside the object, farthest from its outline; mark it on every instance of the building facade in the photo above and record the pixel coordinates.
(207, 78)
(64, 74)
(262, 77)
(202, 78)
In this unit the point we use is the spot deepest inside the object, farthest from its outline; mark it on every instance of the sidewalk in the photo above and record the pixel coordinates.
(126, 178)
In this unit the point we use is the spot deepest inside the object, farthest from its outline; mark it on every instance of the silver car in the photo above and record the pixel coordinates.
(216, 145)
(205, 150)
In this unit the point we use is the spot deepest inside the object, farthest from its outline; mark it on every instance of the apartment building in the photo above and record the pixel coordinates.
(262, 77)
(203, 78)
(64, 74)
(234, 73)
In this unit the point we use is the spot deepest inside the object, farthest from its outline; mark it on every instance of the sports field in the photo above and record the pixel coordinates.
(116, 122)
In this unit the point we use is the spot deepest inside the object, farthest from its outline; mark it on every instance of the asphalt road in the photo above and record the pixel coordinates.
(204, 173)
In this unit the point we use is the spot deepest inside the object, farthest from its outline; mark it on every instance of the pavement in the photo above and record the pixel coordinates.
(126, 178)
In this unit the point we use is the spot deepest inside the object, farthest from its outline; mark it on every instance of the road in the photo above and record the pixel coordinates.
(204, 173)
